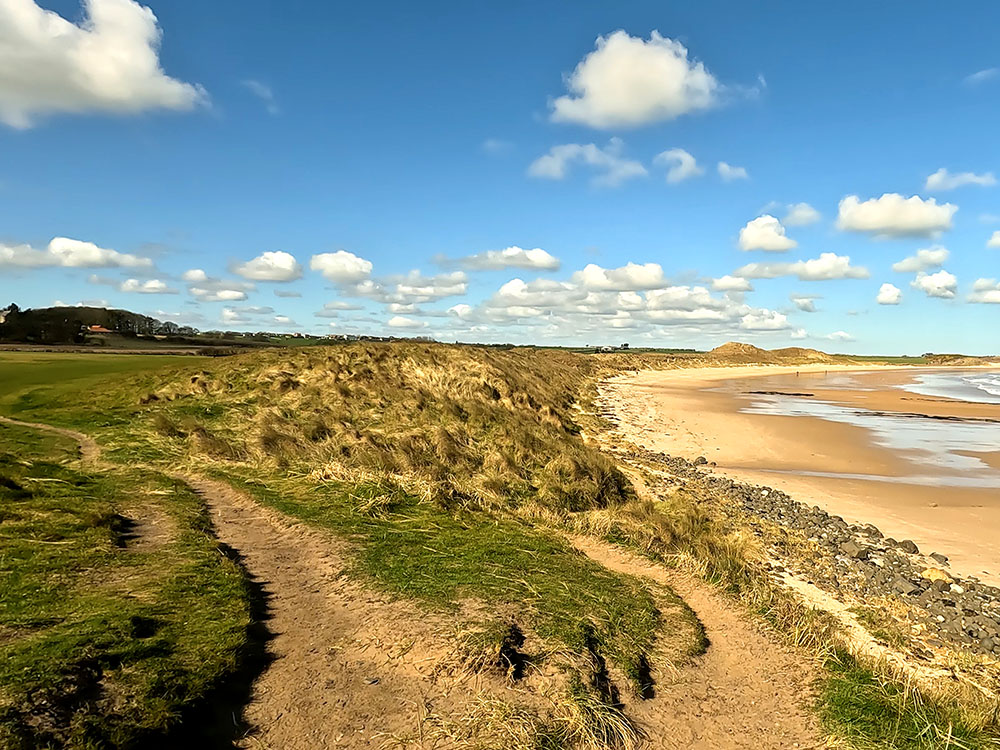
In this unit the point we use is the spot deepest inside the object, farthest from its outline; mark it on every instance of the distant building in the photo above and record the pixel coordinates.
(98, 329)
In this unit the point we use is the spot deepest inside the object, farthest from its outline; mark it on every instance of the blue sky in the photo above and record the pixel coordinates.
(371, 156)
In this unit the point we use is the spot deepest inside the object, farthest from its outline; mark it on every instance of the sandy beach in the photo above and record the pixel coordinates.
(849, 439)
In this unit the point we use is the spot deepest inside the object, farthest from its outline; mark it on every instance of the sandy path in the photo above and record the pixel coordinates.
(350, 668)
(744, 692)
(90, 451)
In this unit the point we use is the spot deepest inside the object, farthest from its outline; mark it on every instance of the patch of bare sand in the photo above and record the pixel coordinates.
(351, 668)
(746, 691)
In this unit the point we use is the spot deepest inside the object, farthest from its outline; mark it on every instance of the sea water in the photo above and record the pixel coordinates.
(934, 447)
(981, 387)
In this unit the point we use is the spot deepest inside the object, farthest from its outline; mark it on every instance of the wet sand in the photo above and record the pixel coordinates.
(945, 498)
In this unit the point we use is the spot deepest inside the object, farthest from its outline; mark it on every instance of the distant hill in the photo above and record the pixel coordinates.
(67, 325)
(736, 352)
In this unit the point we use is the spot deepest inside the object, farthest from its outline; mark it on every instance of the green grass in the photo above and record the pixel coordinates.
(872, 713)
(441, 559)
(51, 376)
(104, 643)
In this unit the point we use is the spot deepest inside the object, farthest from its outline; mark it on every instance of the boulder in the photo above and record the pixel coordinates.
(907, 545)
(938, 557)
(854, 550)
(905, 587)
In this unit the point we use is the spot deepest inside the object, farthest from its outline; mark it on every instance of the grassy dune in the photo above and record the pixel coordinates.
(451, 473)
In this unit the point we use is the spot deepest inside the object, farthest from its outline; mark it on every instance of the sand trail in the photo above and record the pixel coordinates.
(746, 691)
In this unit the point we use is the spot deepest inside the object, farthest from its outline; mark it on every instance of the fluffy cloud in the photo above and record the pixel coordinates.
(986, 291)
(341, 267)
(679, 163)
(613, 168)
(398, 321)
(415, 287)
(108, 63)
(630, 277)
(68, 253)
(207, 289)
(729, 173)
(826, 267)
(928, 257)
(151, 286)
(805, 302)
(941, 284)
(194, 275)
(945, 180)
(731, 284)
(627, 82)
(800, 215)
(270, 266)
(511, 257)
(221, 294)
(892, 215)
(839, 336)
(993, 241)
(765, 233)
(889, 294)
(764, 320)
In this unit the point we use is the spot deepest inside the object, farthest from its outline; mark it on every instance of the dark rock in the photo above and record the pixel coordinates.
(700, 461)
(937, 556)
(905, 587)
(854, 550)
(907, 545)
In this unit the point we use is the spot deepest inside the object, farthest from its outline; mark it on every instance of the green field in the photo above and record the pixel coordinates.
(51, 375)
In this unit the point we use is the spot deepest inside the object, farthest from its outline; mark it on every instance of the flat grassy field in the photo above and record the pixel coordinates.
(54, 374)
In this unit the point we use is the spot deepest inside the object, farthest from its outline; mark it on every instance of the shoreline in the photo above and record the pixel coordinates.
(834, 465)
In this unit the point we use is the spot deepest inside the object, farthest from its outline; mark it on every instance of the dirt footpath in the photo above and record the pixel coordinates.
(744, 692)
(350, 668)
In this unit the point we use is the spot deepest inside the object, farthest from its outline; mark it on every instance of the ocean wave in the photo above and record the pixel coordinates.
(987, 383)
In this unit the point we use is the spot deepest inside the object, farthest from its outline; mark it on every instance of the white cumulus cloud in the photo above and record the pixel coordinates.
(827, 267)
(628, 82)
(729, 173)
(68, 253)
(893, 215)
(341, 267)
(764, 320)
(945, 180)
(731, 284)
(151, 286)
(889, 294)
(511, 257)
(994, 240)
(679, 163)
(108, 63)
(399, 321)
(986, 291)
(800, 215)
(270, 266)
(941, 284)
(612, 167)
(194, 275)
(630, 277)
(765, 233)
(928, 257)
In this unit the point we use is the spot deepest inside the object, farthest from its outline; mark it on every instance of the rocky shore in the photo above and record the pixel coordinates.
(855, 562)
